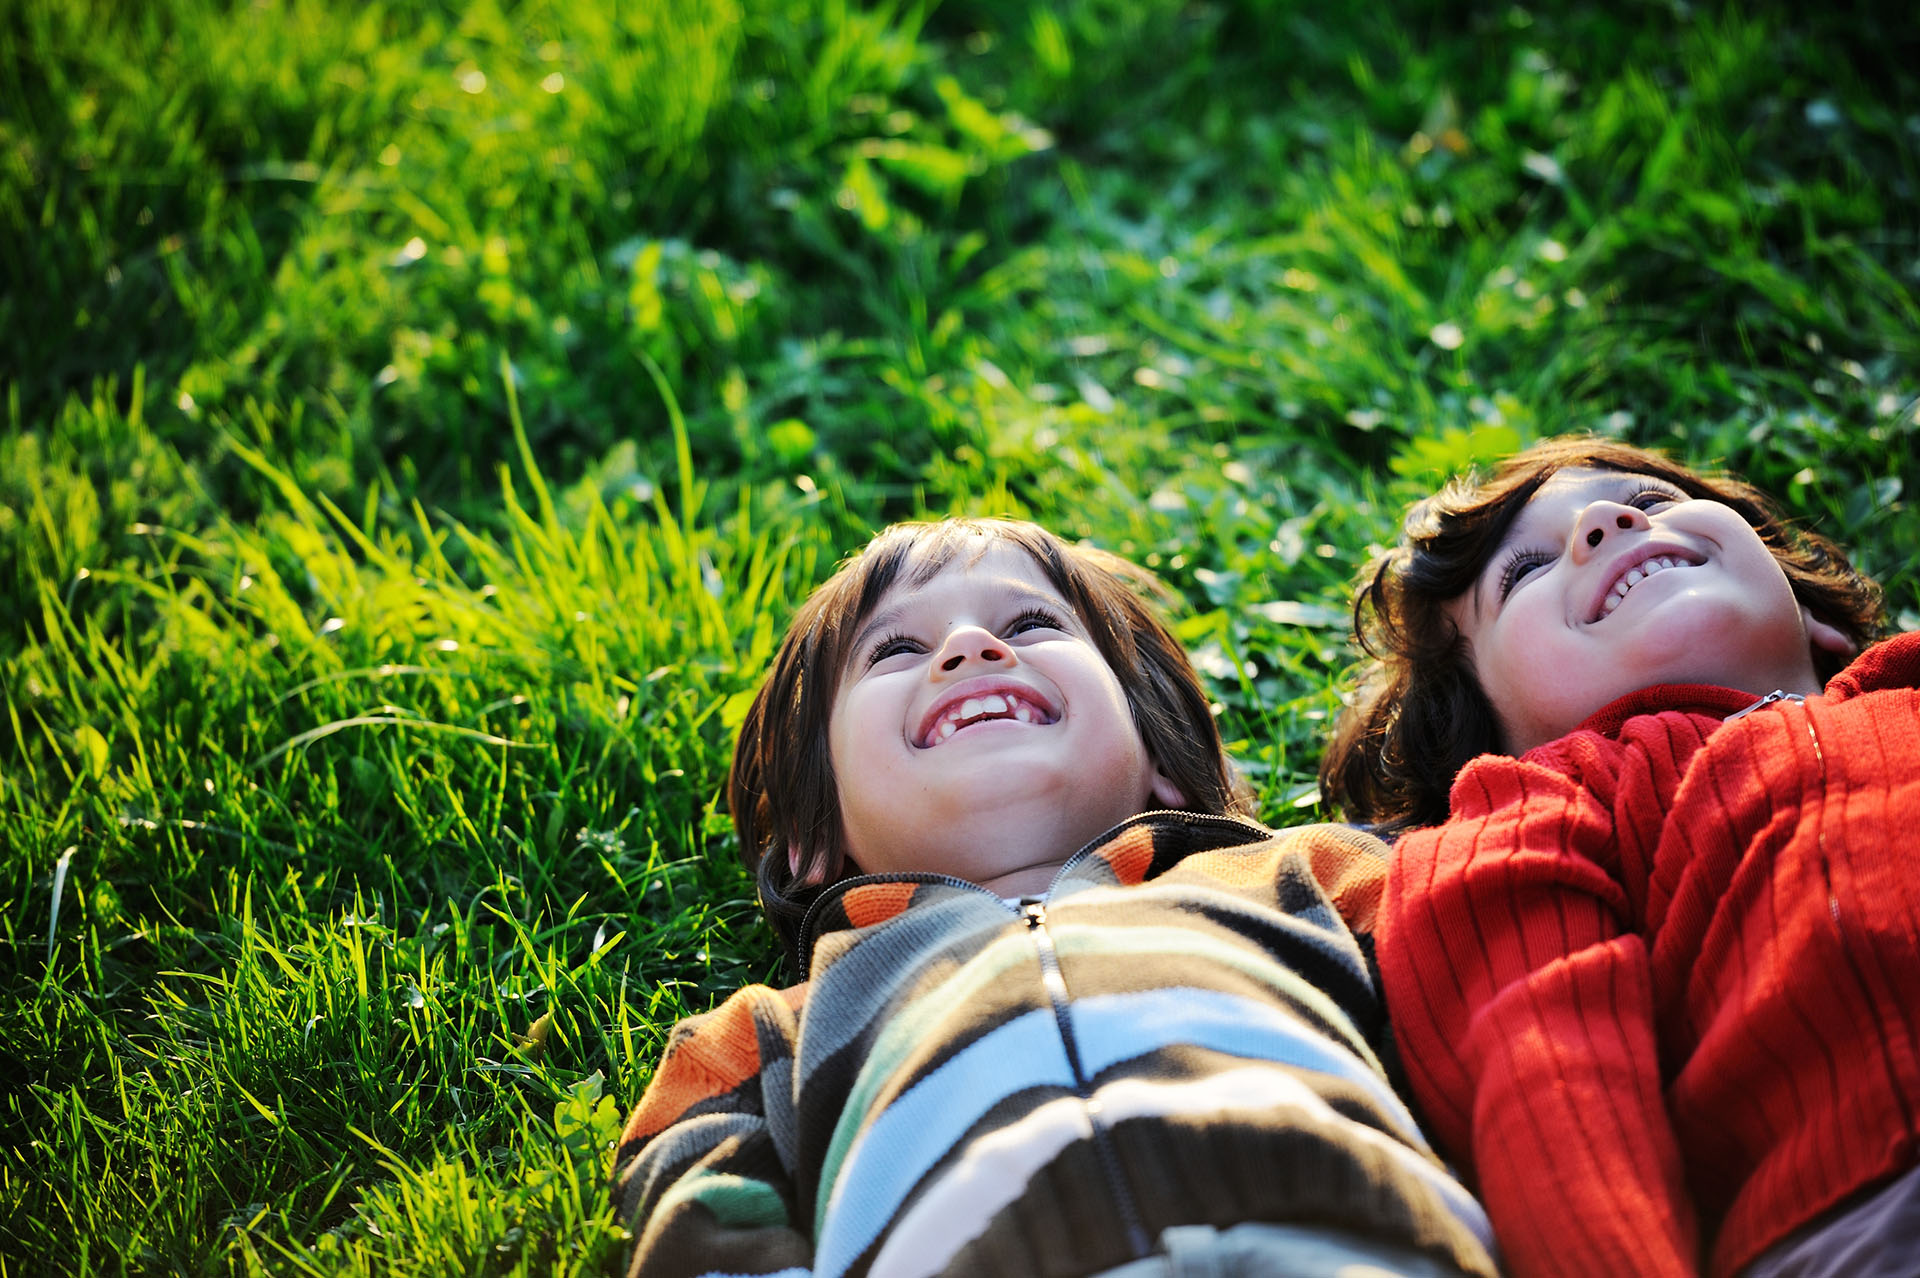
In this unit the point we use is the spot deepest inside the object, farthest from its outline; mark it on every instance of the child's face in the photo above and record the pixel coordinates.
(978, 732)
(1611, 582)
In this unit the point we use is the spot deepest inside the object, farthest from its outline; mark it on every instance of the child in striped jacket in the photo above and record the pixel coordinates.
(1064, 1009)
(1652, 944)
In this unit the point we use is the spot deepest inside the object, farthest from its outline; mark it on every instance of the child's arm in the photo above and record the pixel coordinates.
(1523, 1012)
(702, 1173)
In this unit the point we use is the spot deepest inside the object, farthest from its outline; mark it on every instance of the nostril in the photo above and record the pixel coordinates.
(984, 654)
(1623, 521)
(1593, 538)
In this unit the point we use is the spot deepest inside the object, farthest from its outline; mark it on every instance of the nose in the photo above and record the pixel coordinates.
(965, 644)
(1601, 520)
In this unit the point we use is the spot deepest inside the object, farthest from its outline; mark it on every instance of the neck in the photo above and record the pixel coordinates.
(1028, 880)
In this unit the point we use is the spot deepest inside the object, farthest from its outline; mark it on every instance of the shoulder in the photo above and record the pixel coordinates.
(713, 1054)
(1346, 863)
(1149, 845)
(1890, 664)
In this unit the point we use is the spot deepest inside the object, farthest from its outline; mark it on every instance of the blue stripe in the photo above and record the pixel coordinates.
(889, 1158)
(878, 971)
(1189, 943)
(905, 1036)
(1117, 1027)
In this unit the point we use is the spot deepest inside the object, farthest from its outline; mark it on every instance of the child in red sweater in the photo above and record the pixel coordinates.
(1651, 939)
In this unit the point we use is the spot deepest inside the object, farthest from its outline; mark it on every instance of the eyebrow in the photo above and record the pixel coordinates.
(889, 618)
(885, 619)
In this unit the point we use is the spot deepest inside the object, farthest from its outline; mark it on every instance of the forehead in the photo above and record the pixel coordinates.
(1588, 482)
(1573, 489)
(978, 558)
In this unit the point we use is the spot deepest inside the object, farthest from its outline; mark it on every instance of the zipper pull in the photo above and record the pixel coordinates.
(1776, 695)
(1034, 910)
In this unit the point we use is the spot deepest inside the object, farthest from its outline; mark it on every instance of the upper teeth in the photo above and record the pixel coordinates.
(993, 705)
(1634, 576)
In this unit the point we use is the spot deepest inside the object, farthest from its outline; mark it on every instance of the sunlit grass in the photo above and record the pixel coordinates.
(422, 419)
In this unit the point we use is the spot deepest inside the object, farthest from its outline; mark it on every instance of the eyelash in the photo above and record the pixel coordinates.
(885, 647)
(1041, 619)
(1515, 563)
(1032, 619)
(1519, 561)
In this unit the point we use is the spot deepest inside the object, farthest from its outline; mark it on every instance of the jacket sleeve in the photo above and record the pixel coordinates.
(1522, 1006)
(704, 1177)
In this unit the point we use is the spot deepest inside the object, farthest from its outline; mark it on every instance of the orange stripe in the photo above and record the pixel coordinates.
(1353, 877)
(1130, 855)
(876, 902)
(1350, 867)
(706, 1056)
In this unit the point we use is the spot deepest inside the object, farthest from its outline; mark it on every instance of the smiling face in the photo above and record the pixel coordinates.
(1609, 582)
(978, 732)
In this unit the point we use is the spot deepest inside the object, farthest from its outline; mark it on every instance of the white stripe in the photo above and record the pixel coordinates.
(995, 1171)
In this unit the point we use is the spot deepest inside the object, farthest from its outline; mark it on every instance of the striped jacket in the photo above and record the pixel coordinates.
(1182, 1030)
(1658, 982)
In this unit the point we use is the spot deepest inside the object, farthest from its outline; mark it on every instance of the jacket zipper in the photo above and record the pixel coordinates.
(1777, 694)
(1034, 910)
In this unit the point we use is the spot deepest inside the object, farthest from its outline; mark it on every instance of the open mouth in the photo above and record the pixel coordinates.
(1626, 581)
(985, 707)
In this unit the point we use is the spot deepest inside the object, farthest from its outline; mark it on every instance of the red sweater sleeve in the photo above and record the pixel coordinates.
(1522, 1007)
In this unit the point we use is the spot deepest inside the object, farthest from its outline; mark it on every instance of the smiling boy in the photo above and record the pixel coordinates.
(1065, 1011)
(1651, 961)
(950, 740)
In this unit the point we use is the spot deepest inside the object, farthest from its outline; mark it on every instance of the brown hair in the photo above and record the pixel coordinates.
(1418, 714)
(782, 791)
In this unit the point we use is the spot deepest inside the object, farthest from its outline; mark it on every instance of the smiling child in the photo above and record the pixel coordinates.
(1065, 1010)
(1652, 961)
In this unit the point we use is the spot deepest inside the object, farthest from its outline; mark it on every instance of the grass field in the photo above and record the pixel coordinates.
(422, 419)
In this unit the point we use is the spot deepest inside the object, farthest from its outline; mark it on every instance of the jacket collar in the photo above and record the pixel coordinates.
(1892, 663)
(1139, 848)
(1689, 698)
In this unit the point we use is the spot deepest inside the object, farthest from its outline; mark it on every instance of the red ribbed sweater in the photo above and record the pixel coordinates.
(1657, 983)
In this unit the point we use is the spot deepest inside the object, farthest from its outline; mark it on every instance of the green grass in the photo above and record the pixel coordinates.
(422, 418)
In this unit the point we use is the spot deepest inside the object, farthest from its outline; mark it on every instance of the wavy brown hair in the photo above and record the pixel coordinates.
(1417, 713)
(782, 791)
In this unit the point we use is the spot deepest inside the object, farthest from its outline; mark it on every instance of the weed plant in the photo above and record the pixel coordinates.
(422, 418)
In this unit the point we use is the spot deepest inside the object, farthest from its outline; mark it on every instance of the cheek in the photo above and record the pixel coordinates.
(1504, 663)
(1118, 707)
(844, 731)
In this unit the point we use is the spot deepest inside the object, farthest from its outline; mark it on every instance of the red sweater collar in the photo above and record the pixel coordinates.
(1893, 663)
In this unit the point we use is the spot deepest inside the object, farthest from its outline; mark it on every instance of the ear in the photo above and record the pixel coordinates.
(794, 858)
(1165, 791)
(1827, 638)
